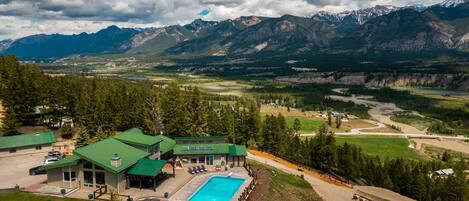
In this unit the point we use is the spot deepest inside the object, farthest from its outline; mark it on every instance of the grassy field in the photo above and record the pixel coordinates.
(436, 152)
(416, 121)
(382, 146)
(307, 125)
(31, 197)
(275, 184)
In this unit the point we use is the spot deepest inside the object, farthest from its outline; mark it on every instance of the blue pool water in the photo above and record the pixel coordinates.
(218, 189)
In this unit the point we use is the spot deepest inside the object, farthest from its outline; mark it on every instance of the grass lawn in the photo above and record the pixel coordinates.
(31, 197)
(382, 146)
(275, 184)
(307, 125)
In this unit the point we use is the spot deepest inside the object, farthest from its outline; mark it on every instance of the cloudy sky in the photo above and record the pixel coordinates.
(20, 18)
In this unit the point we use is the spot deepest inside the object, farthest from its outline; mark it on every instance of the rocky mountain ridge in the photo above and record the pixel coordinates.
(378, 31)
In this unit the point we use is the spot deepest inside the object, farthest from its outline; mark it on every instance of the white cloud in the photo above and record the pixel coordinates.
(25, 17)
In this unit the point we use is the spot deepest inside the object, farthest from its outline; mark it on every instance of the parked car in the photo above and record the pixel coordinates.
(50, 159)
(37, 170)
(55, 154)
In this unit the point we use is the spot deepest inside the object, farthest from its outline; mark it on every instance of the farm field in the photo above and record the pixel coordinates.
(456, 146)
(418, 122)
(382, 146)
(309, 120)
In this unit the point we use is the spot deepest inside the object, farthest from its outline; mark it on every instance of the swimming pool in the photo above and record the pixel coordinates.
(218, 188)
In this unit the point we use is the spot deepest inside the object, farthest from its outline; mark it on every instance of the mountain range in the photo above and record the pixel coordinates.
(381, 30)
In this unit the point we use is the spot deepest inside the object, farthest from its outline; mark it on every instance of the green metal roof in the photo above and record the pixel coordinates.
(238, 150)
(100, 153)
(205, 149)
(137, 137)
(202, 138)
(64, 162)
(9, 142)
(167, 144)
(147, 167)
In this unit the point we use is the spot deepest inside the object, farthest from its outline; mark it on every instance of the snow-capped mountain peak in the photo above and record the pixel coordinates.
(452, 3)
(360, 16)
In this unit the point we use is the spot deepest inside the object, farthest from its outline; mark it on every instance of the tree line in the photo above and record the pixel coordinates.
(100, 106)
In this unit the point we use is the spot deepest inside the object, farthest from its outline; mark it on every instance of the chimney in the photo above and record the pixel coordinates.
(116, 160)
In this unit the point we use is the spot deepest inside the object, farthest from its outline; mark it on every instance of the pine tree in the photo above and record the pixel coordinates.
(82, 138)
(297, 126)
(175, 115)
(338, 121)
(10, 122)
(198, 114)
(329, 118)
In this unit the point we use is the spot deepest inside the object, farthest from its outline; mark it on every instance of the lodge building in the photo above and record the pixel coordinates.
(126, 159)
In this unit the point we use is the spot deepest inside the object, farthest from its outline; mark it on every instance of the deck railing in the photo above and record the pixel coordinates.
(247, 191)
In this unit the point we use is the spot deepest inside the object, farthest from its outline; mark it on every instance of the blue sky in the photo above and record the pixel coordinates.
(26, 17)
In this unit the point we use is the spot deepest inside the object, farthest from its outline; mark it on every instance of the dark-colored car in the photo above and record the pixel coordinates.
(37, 170)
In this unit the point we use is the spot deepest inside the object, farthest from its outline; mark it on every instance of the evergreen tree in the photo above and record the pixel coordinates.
(297, 126)
(198, 114)
(175, 115)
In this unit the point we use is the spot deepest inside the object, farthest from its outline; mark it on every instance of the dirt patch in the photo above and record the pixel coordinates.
(446, 144)
(261, 192)
(351, 124)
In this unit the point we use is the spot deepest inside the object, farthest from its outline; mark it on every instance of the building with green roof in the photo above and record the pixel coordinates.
(26, 144)
(211, 150)
(130, 157)
(112, 162)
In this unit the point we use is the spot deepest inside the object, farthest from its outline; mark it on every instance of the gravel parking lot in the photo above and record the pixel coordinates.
(15, 170)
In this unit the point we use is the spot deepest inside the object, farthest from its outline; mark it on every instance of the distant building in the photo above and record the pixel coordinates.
(443, 173)
(26, 144)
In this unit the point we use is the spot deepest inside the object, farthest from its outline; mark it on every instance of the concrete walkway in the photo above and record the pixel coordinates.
(327, 191)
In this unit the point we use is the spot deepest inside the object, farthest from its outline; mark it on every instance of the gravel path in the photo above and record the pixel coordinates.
(327, 191)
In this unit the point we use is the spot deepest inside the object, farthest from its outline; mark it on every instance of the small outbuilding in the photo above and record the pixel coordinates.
(26, 144)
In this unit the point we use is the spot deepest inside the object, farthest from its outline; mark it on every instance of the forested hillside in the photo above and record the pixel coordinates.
(101, 106)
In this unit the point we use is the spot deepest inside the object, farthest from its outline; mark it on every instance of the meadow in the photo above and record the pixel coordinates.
(382, 146)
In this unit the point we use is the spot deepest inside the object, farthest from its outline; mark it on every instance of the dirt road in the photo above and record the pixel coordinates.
(327, 191)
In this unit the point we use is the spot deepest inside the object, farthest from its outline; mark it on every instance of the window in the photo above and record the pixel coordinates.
(100, 179)
(193, 160)
(38, 147)
(67, 176)
(88, 178)
(87, 165)
(210, 160)
(98, 168)
(12, 150)
(201, 159)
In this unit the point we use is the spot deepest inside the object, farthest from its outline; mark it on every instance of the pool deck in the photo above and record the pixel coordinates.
(198, 181)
